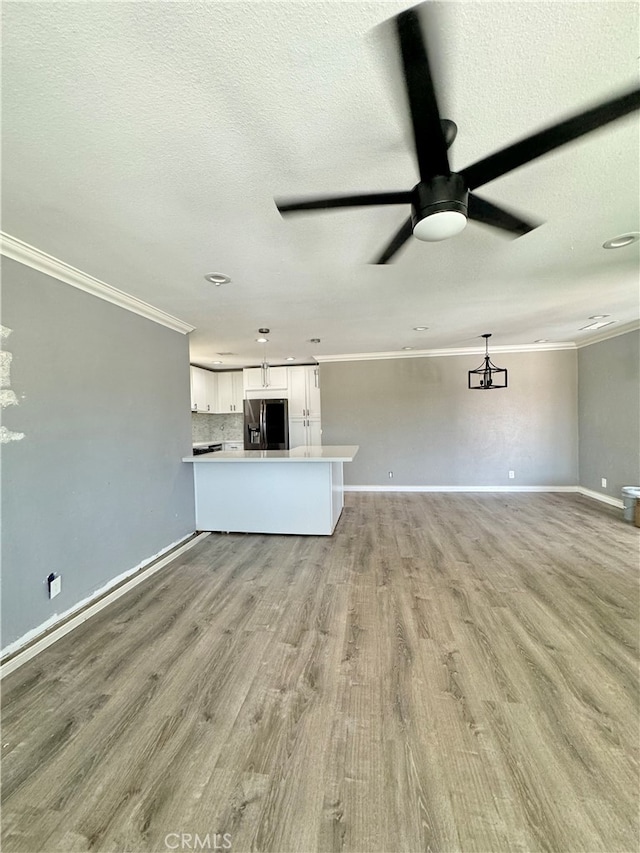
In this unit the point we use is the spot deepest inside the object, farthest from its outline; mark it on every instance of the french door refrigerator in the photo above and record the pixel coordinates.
(266, 425)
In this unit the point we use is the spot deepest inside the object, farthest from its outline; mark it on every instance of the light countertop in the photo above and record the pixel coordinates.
(311, 453)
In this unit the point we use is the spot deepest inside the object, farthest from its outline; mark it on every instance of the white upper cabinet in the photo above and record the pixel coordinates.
(304, 392)
(203, 390)
(261, 378)
(304, 405)
(229, 398)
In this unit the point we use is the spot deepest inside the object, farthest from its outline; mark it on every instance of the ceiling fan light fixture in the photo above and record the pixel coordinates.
(439, 208)
(440, 226)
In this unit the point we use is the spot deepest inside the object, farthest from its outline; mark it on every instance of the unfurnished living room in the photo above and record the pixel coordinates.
(320, 426)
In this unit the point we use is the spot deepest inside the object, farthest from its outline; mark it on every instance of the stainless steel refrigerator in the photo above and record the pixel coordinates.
(266, 425)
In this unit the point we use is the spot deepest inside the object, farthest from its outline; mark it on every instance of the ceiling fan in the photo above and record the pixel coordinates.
(442, 201)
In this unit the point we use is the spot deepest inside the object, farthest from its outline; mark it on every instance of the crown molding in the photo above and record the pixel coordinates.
(439, 353)
(28, 255)
(613, 332)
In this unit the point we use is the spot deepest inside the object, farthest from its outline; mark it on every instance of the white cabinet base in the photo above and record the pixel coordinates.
(302, 498)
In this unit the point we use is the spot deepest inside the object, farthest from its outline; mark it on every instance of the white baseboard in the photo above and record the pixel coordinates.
(460, 488)
(599, 496)
(16, 654)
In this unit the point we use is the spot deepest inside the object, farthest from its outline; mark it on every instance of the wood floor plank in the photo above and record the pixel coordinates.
(448, 672)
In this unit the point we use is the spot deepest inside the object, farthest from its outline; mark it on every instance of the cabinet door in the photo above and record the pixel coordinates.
(253, 378)
(277, 378)
(199, 390)
(192, 387)
(314, 432)
(224, 393)
(229, 391)
(257, 378)
(210, 390)
(297, 392)
(313, 392)
(297, 433)
(237, 395)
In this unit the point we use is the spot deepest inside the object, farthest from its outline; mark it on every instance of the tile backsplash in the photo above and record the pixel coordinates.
(217, 427)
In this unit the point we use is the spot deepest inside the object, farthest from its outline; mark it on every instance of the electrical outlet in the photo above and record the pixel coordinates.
(391, 475)
(512, 474)
(603, 482)
(55, 585)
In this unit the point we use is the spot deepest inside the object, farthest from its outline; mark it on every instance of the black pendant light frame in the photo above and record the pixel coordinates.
(487, 375)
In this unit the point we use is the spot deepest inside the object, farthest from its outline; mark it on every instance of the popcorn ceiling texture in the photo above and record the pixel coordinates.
(144, 143)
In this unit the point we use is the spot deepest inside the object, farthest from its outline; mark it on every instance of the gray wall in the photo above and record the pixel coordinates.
(609, 413)
(417, 418)
(96, 486)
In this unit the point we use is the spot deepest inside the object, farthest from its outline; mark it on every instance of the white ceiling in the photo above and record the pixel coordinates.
(145, 142)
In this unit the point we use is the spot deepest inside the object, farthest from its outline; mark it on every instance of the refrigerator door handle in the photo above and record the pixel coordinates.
(263, 437)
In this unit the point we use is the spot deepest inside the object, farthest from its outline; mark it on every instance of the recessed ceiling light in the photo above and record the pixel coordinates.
(290, 358)
(262, 340)
(407, 347)
(314, 340)
(599, 316)
(622, 240)
(216, 362)
(597, 325)
(217, 278)
(420, 328)
(542, 341)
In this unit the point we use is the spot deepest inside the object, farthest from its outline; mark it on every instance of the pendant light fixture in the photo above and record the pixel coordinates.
(487, 376)
(265, 364)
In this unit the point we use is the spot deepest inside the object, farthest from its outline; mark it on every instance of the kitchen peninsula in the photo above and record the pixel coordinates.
(297, 491)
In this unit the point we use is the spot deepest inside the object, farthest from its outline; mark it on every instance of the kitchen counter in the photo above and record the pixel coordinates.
(313, 453)
(261, 491)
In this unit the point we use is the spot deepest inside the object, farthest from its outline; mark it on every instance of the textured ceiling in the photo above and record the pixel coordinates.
(144, 143)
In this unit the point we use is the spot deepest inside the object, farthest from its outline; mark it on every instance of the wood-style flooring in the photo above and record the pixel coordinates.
(445, 673)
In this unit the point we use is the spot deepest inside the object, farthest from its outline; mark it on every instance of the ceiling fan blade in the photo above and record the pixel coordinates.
(547, 140)
(431, 147)
(399, 239)
(481, 210)
(344, 201)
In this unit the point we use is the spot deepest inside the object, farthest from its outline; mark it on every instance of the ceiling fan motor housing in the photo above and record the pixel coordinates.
(441, 193)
